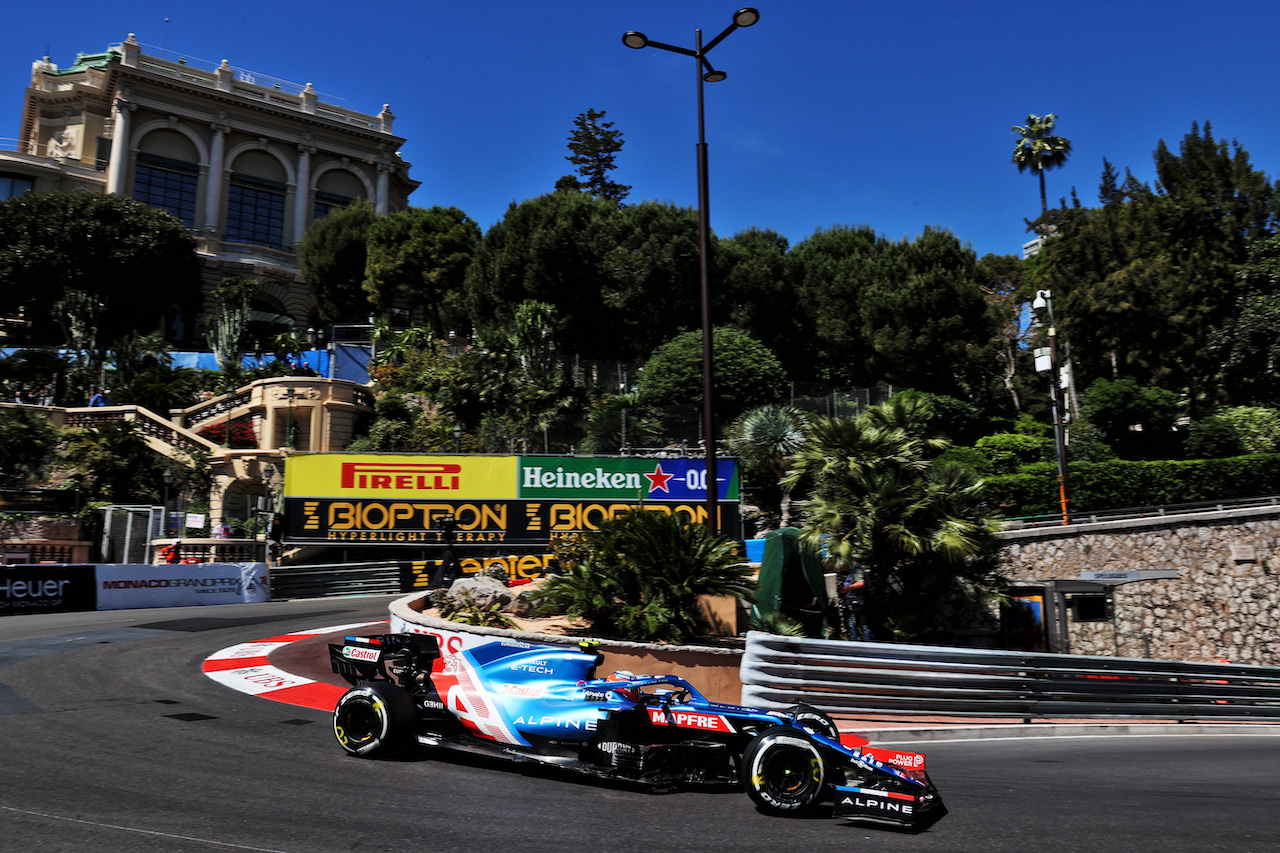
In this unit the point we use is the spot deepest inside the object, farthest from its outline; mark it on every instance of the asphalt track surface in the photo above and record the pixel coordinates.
(115, 740)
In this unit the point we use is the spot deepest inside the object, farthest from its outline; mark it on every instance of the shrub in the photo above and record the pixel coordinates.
(640, 575)
(1256, 428)
(1088, 444)
(1007, 451)
(1120, 483)
(464, 609)
(1213, 438)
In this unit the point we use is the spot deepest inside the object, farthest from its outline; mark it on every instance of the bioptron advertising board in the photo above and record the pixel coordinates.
(502, 504)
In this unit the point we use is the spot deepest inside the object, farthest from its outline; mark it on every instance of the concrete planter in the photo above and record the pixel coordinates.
(714, 671)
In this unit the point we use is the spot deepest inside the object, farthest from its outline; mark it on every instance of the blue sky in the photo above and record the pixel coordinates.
(890, 114)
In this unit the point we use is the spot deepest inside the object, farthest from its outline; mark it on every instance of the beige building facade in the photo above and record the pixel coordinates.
(246, 161)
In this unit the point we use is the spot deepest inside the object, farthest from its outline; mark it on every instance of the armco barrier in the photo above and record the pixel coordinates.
(853, 679)
(336, 580)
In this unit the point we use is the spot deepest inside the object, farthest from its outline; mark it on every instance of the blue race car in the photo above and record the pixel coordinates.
(525, 702)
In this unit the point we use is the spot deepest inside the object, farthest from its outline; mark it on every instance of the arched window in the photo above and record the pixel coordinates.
(336, 189)
(256, 201)
(167, 174)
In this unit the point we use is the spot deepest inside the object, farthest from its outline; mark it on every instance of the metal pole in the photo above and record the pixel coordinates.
(704, 271)
(744, 17)
(1059, 437)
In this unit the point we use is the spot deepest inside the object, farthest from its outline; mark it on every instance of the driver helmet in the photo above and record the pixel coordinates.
(623, 675)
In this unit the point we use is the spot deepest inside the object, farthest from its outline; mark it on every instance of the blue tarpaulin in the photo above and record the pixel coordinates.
(317, 360)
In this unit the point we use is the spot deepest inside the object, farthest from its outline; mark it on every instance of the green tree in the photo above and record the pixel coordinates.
(1141, 283)
(617, 421)
(1115, 406)
(1246, 341)
(594, 145)
(1000, 278)
(909, 313)
(919, 526)
(228, 327)
(80, 315)
(136, 352)
(136, 262)
(34, 373)
(420, 256)
(753, 291)
(113, 463)
(652, 289)
(1256, 428)
(746, 373)
(332, 256)
(831, 269)
(1039, 150)
(26, 438)
(160, 387)
(550, 249)
(765, 439)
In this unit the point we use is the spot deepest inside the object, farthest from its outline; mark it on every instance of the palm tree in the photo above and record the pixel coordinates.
(919, 527)
(1037, 149)
(640, 574)
(766, 438)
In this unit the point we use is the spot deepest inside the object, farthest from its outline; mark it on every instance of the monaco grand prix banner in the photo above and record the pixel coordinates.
(64, 588)
(503, 503)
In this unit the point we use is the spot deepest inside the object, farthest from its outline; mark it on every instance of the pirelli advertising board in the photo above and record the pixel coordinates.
(502, 503)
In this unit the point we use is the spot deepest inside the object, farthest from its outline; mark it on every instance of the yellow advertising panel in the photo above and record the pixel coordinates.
(384, 476)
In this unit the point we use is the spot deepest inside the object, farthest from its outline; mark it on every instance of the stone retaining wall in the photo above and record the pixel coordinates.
(1225, 605)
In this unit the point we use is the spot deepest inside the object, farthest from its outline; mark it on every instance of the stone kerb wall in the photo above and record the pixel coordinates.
(1225, 605)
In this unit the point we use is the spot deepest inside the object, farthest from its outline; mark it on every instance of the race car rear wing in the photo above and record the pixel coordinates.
(360, 659)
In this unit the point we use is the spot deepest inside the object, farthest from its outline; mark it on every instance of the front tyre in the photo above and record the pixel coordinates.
(814, 719)
(373, 719)
(783, 770)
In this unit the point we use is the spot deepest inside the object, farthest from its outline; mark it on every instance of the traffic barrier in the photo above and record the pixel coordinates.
(859, 679)
(340, 579)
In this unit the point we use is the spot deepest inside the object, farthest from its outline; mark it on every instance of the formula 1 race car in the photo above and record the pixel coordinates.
(541, 703)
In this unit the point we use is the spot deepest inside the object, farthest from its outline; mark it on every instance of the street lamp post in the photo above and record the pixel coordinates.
(1044, 300)
(742, 18)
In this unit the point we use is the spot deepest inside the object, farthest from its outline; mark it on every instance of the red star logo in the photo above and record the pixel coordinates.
(658, 480)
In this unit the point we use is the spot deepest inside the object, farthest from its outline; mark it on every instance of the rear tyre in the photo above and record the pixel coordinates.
(783, 770)
(373, 719)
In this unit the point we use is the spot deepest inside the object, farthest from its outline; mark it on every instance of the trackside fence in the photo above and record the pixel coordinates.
(883, 680)
(336, 580)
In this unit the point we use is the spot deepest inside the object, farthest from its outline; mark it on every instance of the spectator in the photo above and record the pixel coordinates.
(855, 602)
(102, 398)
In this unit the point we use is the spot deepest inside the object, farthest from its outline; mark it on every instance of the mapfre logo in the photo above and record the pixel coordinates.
(411, 476)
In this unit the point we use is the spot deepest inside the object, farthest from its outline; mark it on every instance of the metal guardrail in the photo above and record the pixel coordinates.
(336, 580)
(1129, 513)
(905, 681)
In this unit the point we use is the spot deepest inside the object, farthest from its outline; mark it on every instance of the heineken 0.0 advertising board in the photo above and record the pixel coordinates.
(511, 503)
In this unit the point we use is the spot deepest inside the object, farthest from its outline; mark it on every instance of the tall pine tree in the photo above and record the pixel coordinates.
(595, 145)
